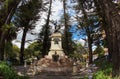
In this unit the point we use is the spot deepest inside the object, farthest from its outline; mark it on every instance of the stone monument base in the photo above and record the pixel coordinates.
(62, 66)
(56, 61)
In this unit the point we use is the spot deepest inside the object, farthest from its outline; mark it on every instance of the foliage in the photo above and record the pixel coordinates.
(76, 55)
(34, 50)
(8, 72)
(104, 72)
(101, 75)
(79, 50)
(11, 51)
(105, 69)
(46, 41)
(7, 10)
(7, 31)
(70, 46)
(65, 20)
(8, 50)
(42, 37)
(14, 55)
(26, 17)
(15, 50)
(100, 51)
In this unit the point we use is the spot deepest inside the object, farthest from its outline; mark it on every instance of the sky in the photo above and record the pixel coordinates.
(57, 11)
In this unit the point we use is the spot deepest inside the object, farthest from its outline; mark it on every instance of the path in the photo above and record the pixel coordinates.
(81, 74)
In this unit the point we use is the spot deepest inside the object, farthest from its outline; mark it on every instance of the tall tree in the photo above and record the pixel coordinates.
(10, 35)
(46, 32)
(26, 17)
(104, 24)
(66, 35)
(87, 22)
(34, 49)
(111, 17)
(7, 10)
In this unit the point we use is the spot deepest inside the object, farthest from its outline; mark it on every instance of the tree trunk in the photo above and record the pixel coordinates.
(66, 29)
(2, 45)
(116, 44)
(90, 46)
(22, 45)
(46, 33)
(106, 26)
(110, 44)
(112, 17)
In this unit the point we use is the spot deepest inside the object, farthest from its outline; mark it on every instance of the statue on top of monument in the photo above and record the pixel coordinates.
(57, 27)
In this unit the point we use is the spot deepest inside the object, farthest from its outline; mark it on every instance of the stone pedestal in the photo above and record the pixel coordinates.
(56, 46)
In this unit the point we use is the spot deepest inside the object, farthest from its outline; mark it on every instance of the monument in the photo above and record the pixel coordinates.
(56, 60)
(56, 46)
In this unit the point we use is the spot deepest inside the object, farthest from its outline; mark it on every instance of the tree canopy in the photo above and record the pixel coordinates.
(93, 17)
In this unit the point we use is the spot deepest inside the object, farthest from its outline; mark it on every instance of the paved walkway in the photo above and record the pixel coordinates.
(80, 74)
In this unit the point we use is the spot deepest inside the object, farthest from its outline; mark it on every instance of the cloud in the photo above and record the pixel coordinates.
(57, 8)
(81, 41)
(16, 42)
(29, 38)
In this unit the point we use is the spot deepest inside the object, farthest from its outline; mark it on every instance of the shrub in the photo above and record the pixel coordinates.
(8, 72)
(100, 75)
(100, 51)
(105, 70)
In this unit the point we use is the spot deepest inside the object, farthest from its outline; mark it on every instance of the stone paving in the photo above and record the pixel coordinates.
(80, 74)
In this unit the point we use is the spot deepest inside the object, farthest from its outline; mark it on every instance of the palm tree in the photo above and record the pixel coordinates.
(26, 17)
(11, 34)
(7, 10)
